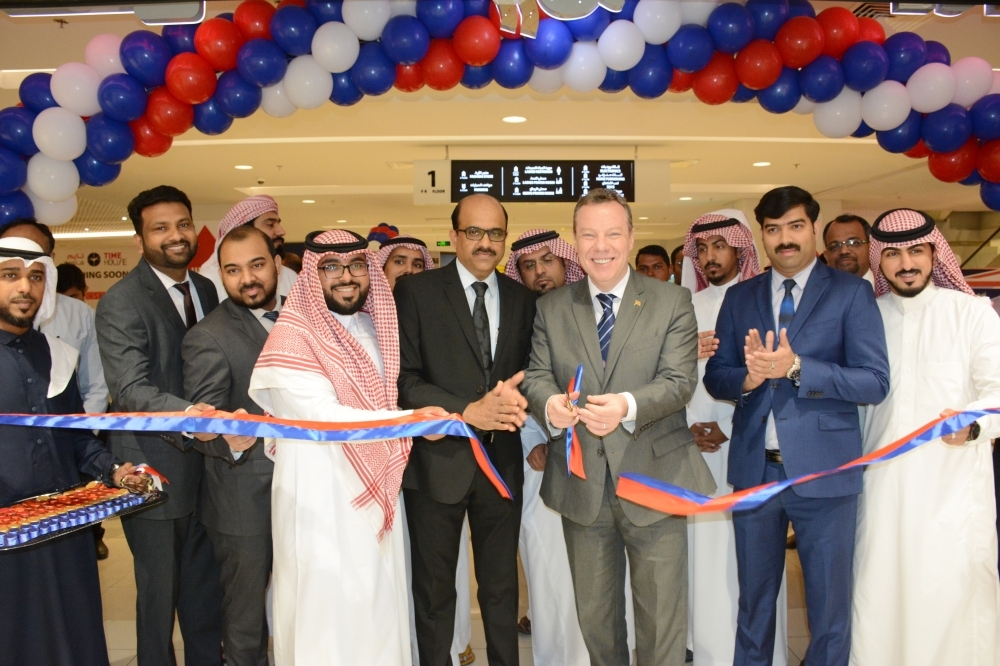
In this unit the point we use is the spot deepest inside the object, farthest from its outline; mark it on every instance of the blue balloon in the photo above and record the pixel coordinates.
(226, 15)
(614, 81)
(477, 77)
(292, 28)
(373, 73)
(94, 172)
(744, 94)
(345, 93)
(990, 194)
(800, 8)
(477, 7)
(768, 16)
(821, 80)
(210, 119)
(907, 53)
(865, 66)
(325, 11)
(985, 118)
(627, 12)
(863, 131)
(511, 68)
(589, 28)
(35, 93)
(783, 95)
(405, 40)
(904, 137)
(552, 45)
(973, 179)
(122, 98)
(690, 49)
(108, 140)
(15, 206)
(651, 77)
(180, 38)
(13, 172)
(731, 26)
(236, 96)
(440, 16)
(947, 129)
(261, 62)
(937, 52)
(15, 130)
(145, 56)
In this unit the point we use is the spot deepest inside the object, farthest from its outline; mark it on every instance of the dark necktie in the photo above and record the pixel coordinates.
(482, 323)
(787, 310)
(607, 323)
(189, 313)
(271, 314)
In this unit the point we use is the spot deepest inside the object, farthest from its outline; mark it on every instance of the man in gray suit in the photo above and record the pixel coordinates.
(219, 355)
(637, 339)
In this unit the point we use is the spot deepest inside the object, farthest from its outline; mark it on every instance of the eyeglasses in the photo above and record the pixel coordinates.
(475, 233)
(334, 271)
(547, 261)
(850, 242)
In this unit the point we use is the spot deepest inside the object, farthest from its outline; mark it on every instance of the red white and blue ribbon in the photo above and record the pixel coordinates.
(668, 498)
(574, 454)
(413, 425)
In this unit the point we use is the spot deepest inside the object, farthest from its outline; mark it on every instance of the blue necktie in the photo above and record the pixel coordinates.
(787, 310)
(272, 315)
(607, 324)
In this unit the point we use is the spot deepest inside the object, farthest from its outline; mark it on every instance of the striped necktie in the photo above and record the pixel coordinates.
(787, 310)
(607, 324)
(271, 314)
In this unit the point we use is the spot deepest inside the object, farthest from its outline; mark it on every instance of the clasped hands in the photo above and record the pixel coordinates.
(502, 408)
(762, 363)
(601, 415)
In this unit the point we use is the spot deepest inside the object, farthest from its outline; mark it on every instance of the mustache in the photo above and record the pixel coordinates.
(180, 242)
(711, 264)
(907, 273)
(788, 246)
(256, 284)
(486, 250)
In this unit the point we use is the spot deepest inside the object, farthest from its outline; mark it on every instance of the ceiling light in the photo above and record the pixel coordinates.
(514, 119)
(685, 198)
(243, 167)
(308, 201)
(761, 164)
(644, 218)
(124, 218)
(341, 221)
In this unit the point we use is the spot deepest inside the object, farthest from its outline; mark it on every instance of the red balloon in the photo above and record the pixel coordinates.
(716, 83)
(409, 78)
(988, 161)
(681, 81)
(918, 151)
(190, 78)
(495, 18)
(800, 41)
(441, 67)
(218, 41)
(297, 3)
(956, 165)
(841, 28)
(253, 18)
(167, 114)
(870, 30)
(759, 64)
(149, 142)
(476, 41)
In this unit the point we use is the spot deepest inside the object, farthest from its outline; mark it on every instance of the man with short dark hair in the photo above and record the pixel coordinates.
(845, 245)
(653, 261)
(72, 282)
(677, 261)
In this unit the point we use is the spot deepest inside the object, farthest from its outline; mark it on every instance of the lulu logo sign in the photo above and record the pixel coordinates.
(525, 12)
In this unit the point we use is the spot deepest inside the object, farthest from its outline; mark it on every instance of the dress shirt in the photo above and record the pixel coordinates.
(177, 297)
(362, 328)
(777, 295)
(73, 323)
(264, 321)
(491, 298)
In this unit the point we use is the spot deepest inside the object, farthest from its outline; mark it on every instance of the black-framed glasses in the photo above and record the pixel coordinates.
(850, 242)
(334, 271)
(475, 233)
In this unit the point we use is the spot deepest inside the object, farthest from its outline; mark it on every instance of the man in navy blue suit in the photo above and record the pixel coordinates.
(800, 346)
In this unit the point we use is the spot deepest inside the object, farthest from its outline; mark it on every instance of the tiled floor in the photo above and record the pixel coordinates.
(118, 592)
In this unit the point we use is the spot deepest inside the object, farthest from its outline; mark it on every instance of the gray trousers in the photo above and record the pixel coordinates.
(657, 555)
(245, 562)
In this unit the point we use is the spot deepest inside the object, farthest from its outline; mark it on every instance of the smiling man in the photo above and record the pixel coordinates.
(403, 255)
(637, 339)
(845, 245)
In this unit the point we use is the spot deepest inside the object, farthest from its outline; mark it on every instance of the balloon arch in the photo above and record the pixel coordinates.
(133, 94)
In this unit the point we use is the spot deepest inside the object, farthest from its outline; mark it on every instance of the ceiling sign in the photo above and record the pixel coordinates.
(540, 181)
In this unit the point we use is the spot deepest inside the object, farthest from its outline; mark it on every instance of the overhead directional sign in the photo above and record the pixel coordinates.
(540, 180)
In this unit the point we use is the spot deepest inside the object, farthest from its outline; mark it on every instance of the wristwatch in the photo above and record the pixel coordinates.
(795, 371)
(974, 431)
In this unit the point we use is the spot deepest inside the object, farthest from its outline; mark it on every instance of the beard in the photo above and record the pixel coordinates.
(8, 315)
(904, 290)
(848, 263)
(265, 296)
(346, 309)
(164, 259)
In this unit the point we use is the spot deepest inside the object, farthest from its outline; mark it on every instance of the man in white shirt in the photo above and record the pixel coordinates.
(845, 245)
(926, 590)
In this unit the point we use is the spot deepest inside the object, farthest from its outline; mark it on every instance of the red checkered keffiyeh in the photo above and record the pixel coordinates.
(904, 227)
(732, 225)
(307, 337)
(534, 240)
(242, 213)
(382, 256)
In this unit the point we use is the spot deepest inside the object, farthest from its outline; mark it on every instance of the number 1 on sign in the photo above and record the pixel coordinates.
(433, 175)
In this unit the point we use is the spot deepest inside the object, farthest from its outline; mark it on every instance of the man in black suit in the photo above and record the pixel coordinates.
(219, 355)
(464, 329)
(140, 324)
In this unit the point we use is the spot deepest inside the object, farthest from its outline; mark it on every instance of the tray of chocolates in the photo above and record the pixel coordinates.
(39, 519)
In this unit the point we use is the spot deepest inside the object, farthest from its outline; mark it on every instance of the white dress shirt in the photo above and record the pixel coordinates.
(491, 298)
(362, 328)
(73, 323)
(777, 295)
(177, 297)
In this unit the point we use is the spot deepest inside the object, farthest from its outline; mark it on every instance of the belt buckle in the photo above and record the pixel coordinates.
(774, 456)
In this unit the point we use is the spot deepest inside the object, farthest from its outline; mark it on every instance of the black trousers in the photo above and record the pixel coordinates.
(175, 570)
(435, 531)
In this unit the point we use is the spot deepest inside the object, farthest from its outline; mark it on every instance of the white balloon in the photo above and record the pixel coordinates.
(697, 11)
(52, 213)
(403, 7)
(931, 87)
(804, 107)
(546, 80)
(839, 117)
(973, 80)
(585, 70)
(60, 133)
(74, 87)
(621, 45)
(102, 55)
(274, 100)
(52, 180)
(335, 47)
(885, 106)
(366, 17)
(307, 84)
(657, 19)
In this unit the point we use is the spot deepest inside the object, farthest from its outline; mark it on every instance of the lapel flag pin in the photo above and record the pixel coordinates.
(638, 303)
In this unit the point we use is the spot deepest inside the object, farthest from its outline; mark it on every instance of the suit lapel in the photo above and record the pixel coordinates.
(764, 305)
(248, 323)
(628, 314)
(160, 296)
(583, 311)
(460, 306)
(816, 286)
(203, 297)
(506, 297)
